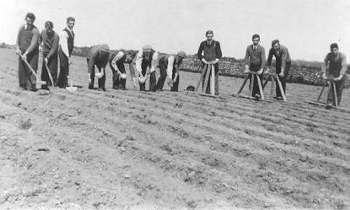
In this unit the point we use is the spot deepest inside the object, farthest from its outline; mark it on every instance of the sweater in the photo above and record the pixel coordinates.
(255, 57)
(49, 43)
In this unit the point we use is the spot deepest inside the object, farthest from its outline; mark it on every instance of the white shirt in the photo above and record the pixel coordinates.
(170, 67)
(116, 58)
(64, 42)
(139, 58)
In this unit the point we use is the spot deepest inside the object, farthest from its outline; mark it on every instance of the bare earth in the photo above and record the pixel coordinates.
(164, 150)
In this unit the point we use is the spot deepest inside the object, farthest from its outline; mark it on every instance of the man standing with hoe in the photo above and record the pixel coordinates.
(49, 39)
(116, 62)
(65, 51)
(255, 60)
(336, 62)
(28, 50)
(209, 53)
(283, 63)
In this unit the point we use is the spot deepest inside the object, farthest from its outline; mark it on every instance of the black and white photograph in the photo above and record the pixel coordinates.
(174, 104)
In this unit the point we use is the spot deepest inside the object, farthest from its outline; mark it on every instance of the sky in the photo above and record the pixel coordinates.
(305, 27)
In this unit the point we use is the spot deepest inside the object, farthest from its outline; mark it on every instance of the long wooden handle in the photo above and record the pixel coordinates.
(49, 73)
(260, 87)
(281, 89)
(320, 95)
(212, 82)
(335, 94)
(243, 84)
(206, 81)
(251, 86)
(202, 76)
(28, 65)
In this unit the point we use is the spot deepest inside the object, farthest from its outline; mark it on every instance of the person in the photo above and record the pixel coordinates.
(49, 40)
(209, 52)
(98, 56)
(116, 62)
(146, 64)
(336, 62)
(255, 60)
(169, 65)
(66, 47)
(28, 48)
(283, 63)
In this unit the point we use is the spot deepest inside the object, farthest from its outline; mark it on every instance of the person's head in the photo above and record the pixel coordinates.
(70, 22)
(334, 48)
(147, 52)
(49, 27)
(30, 18)
(130, 55)
(256, 39)
(209, 34)
(275, 44)
(180, 56)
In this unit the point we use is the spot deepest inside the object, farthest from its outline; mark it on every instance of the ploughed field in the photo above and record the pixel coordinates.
(164, 150)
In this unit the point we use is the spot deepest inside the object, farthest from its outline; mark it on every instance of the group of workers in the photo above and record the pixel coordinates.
(59, 47)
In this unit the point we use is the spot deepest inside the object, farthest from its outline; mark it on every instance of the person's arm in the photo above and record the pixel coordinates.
(104, 64)
(91, 64)
(169, 69)
(324, 67)
(284, 52)
(54, 47)
(246, 59)
(263, 58)
(154, 62)
(116, 58)
(64, 43)
(343, 64)
(40, 40)
(218, 52)
(269, 58)
(132, 69)
(133, 73)
(17, 40)
(34, 42)
(139, 59)
(177, 73)
(200, 51)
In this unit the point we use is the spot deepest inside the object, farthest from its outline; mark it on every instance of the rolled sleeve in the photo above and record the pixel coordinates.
(154, 62)
(139, 59)
(116, 59)
(169, 70)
